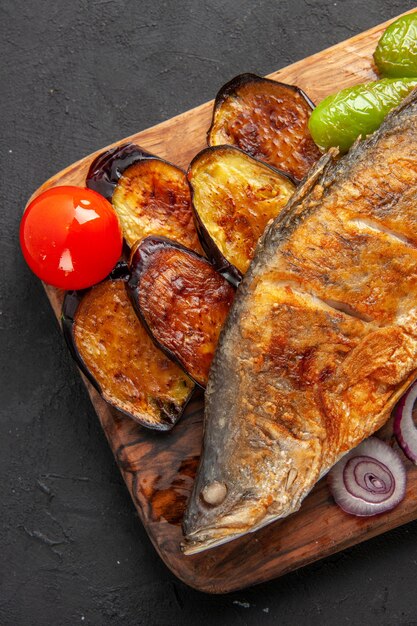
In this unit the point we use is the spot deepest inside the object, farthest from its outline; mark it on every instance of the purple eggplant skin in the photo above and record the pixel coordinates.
(223, 266)
(106, 169)
(70, 305)
(138, 265)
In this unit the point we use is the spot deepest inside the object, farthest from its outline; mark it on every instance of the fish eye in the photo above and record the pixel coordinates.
(214, 493)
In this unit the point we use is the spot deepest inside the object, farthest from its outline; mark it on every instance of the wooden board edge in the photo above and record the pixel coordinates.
(351, 542)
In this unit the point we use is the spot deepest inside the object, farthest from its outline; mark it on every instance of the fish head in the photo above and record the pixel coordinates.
(226, 505)
(253, 468)
(247, 488)
(218, 513)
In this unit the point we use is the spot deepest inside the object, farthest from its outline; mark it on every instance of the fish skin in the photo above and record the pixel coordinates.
(321, 339)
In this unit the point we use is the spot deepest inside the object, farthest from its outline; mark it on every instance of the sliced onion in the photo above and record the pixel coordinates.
(404, 427)
(370, 479)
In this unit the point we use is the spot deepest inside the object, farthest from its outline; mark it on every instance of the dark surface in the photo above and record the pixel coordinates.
(75, 76)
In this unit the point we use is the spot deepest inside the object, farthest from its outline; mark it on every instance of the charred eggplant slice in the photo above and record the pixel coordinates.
(268, 120)
(182, 300)
(114, 350)
(234, 197)
(150, 195)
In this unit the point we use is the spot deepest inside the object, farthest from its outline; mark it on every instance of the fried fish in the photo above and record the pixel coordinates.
(321, 339)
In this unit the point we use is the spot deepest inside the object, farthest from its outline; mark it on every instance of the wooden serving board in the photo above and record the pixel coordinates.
(159, 468)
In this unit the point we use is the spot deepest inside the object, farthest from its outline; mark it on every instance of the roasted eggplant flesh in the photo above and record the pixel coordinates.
(119, 357)
(234, 197)
(268, 120)
(183, 301)
(150, 195)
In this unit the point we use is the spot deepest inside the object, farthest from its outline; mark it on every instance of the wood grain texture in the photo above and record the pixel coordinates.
(159, 468)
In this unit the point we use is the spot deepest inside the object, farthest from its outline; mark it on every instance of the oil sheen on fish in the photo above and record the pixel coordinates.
(320, 341)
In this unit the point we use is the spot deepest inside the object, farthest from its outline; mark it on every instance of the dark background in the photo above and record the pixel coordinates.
(75, 76)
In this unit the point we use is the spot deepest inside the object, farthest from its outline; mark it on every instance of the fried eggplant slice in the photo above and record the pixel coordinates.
(150, 195)
(234, 197)
(268, 120)
(182, 300)
(115, 352)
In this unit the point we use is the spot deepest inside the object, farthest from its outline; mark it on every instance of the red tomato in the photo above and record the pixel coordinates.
(70, 237)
